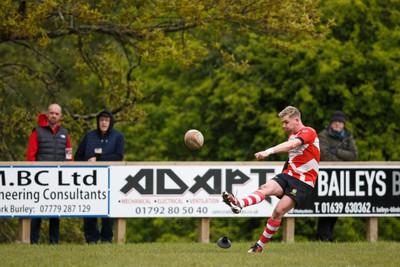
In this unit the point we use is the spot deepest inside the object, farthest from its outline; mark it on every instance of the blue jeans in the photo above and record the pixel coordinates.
(54, 229)
(92, 232)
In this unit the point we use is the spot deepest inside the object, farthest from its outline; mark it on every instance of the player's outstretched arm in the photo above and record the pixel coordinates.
(281, 148)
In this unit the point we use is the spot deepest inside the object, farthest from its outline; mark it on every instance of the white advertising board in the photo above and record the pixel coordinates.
(186, 191)
(54, 191)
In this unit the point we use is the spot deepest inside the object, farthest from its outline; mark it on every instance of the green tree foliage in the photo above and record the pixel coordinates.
(87, 55)
(355, 69)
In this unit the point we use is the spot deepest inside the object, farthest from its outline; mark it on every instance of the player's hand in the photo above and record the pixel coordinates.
(92, 159)
(261, 155)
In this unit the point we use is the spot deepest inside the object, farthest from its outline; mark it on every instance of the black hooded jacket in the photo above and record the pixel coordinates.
(112, 143)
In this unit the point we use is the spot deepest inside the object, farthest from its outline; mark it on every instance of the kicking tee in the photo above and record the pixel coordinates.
(303, 161)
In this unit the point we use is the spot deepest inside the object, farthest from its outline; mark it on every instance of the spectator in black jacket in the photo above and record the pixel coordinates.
(103, 144)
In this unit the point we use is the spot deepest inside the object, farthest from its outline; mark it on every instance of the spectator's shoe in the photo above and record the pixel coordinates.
(232, 202)
(256, 248)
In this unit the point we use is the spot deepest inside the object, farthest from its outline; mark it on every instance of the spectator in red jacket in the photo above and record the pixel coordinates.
(48, 142)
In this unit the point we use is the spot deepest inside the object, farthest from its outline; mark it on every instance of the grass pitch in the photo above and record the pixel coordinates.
(196, 254)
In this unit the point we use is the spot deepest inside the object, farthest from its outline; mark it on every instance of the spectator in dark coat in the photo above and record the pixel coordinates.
(103, 144)
(336, 143)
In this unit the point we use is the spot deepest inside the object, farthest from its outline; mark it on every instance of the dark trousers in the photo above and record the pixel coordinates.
(325, 228)
(54, 230)
(92, 232)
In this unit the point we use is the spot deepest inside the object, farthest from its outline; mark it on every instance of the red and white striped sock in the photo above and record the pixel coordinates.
(253, 198)
(270, 229)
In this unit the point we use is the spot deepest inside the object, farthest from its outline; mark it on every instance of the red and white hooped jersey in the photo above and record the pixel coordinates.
(303, 161)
